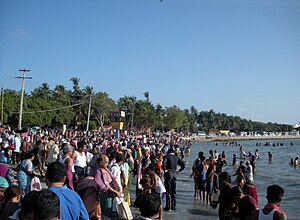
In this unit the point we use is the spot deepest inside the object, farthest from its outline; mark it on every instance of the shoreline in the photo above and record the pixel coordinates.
(240, 138)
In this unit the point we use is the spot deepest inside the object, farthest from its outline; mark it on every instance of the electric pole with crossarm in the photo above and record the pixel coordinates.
(22, 94)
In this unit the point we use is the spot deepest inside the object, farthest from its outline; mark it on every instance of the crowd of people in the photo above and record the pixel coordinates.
(96, 166)
(237, 198)
(89, 174)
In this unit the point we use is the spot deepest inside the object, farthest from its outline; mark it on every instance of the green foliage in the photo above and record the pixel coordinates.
(11, 103)
(175, 118)
(102, 105)
(62, 106)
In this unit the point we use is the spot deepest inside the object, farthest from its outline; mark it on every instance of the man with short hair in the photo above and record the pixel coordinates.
(71, 205)
(272, 210)
(170, 163)
(46, 205)
(80, 160)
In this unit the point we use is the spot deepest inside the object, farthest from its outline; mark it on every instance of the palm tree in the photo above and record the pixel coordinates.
(192, 117)
(61, 93)
(102, 106)
(160, 114)
(76, 88)
(146, 94)
(43, 91)
(89, 90)
(76, 98)
(128, 104)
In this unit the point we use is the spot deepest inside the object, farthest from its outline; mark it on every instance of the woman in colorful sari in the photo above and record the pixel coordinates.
(25, 173)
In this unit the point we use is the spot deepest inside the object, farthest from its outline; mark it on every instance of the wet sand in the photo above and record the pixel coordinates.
(188, 207)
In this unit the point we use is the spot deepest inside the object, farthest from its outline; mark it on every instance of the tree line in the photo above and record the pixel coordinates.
(55, 107)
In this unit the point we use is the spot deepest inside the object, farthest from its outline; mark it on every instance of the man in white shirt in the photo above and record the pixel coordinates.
(16, 152)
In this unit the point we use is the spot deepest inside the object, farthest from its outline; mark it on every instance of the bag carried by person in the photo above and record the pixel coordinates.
(35, 184)
(124, 211)
(215, 196)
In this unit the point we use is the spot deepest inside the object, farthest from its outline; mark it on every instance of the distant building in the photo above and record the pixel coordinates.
(224, 132)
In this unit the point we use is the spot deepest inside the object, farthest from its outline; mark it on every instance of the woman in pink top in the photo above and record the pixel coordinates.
(108, 185)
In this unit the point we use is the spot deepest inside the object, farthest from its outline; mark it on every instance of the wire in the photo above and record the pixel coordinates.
(49, 110)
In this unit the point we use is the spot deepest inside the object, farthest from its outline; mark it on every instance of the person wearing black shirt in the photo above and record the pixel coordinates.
(170, 163)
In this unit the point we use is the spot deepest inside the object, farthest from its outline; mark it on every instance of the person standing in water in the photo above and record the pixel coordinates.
(170, 167)
(270, 155)
(234, 160)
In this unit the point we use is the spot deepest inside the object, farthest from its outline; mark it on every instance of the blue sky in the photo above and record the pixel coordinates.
(236, 57)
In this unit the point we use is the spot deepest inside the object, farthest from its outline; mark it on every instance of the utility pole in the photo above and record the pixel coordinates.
(89, 113)
(22, 94)
(2, 101)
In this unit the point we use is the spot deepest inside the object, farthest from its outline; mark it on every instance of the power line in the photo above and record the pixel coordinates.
(49, 110)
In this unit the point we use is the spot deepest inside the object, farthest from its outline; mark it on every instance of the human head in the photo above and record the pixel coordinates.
(146, 151)
(13, 192)
(67, 149)
(200, 154)
(150, 205)
(46, 205)
(150, 169)
(224, 180)
(274, 193)
(3, 186)
(56, 172)
(236, 193)
(103, 161)
(119, 158)
(171, 150)
(81, 146)
(29, 155)
(224, 176)
(3, 182)
(27, 206)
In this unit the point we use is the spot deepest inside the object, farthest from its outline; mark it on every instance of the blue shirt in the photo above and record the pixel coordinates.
(71, 205)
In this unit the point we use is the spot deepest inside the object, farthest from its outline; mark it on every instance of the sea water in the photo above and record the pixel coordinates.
(267, 173)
